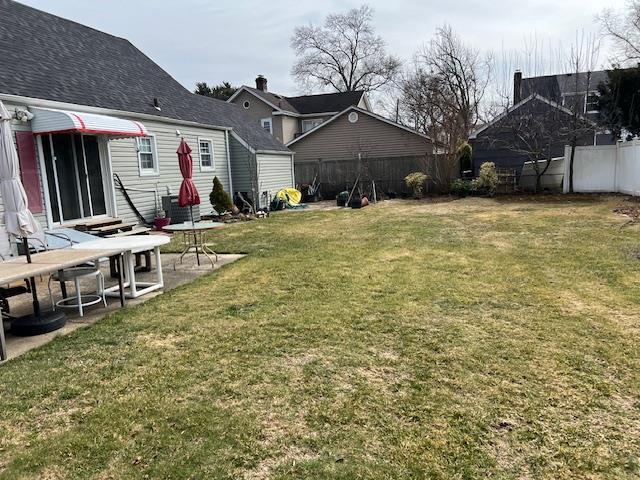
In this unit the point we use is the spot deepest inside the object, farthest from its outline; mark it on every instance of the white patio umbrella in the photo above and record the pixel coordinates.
(17, 217)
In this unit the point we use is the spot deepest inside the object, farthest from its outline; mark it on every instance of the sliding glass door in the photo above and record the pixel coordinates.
(74, 173)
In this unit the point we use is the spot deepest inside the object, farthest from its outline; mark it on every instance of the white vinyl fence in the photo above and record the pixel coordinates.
(551, 180)
(606, 168)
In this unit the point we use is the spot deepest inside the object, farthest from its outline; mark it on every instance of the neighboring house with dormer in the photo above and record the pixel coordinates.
(337, 138)
(551, 101)
(567, 89)
(287, 118)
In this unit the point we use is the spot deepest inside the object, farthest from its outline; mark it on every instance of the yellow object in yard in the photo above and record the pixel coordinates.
(291, 195)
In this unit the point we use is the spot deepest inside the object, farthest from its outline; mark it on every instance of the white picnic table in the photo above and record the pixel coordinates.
(130, 246)
(48, 262)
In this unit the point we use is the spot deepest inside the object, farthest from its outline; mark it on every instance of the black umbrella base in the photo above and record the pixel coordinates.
(31, 325)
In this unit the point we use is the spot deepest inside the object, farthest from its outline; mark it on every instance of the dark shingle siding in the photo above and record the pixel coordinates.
(310, 104)
(553, 87)
(48, 57)
(329, 102)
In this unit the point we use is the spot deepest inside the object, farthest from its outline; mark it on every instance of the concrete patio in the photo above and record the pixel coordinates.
(182, 274)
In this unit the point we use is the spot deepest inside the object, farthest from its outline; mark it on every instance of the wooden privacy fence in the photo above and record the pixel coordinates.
(388, 173)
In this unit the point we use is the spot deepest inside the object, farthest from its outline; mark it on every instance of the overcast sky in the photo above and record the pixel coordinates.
(212, 40)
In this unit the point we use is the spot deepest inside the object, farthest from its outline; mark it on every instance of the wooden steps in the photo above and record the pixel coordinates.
(110, 227)
(128, 233)
(84, 226)
(113, 228)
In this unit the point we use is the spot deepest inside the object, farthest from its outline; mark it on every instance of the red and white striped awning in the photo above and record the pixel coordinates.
(47, 120)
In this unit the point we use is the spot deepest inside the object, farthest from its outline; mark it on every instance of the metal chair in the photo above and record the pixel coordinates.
(74, 274)
(79, 301)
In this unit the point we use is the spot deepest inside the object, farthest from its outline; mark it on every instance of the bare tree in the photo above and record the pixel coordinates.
(461, 71)
(442, 95)
(534, 131)
(624, 30)
(345, 54)
(536, 57)
(582, 61)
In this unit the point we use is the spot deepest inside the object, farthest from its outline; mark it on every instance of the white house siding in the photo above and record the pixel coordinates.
(240, 166)
(124, 160)
(290, 127)
(275, 172)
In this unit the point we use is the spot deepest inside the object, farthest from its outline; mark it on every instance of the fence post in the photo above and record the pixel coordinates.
(615, 168)
(565, 179)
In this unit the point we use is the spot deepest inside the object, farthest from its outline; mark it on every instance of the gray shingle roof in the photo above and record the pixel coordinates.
(310, 104)
(273, 98)
(48, 57)
(327, 102)
(554, 87)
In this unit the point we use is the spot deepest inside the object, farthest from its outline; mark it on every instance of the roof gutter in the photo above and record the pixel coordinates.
(304, 115)
(38, 102)
(275, 152)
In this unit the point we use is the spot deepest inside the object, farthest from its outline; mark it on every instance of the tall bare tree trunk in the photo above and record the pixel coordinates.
(572, 157)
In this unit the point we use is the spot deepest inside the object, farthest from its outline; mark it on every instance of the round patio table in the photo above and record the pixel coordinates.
(193, 234)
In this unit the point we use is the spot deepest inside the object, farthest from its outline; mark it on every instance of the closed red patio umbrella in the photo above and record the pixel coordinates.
(188, 195)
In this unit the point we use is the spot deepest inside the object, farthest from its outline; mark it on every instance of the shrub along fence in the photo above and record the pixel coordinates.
(388, 173)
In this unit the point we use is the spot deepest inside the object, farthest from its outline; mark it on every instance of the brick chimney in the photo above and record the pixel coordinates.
(517, 87)
(261, 83)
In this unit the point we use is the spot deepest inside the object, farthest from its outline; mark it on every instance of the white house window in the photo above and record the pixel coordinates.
(266, 124)
(206, 154)
(353, 117)
(147, 156)
(246, 104)
(310, 124)
(592, 102)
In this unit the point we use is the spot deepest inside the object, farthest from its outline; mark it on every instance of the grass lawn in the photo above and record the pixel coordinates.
(469, 339)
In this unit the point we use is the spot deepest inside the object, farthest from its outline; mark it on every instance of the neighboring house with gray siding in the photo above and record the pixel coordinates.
(335, 151)
(98, 106)
(287, 118)
(544, 106)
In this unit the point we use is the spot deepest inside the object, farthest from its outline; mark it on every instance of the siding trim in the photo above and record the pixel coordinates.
(107, 170)
(45, 183)
(226, 141)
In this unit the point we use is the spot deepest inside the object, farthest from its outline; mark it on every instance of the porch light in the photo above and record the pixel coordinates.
(23, 115)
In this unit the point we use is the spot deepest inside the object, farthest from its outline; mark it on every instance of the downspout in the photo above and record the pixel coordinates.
(226, 139)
